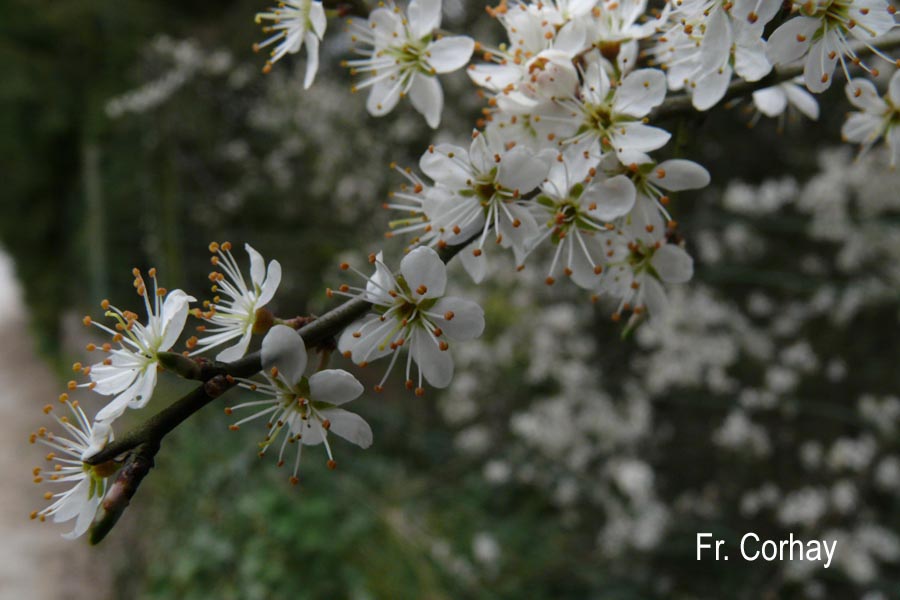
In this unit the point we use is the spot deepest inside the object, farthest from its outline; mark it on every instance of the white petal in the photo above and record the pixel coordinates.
(894, 89)
(673, 264)
(770, 101)
(861, 128)
(640, 137)
(571, 38)
(386, 26)
(427, 97)
(764, 10)
(238, 350)
(334, 386)
(110, 379)
(448, 165)
(372, 344)
(863, 94)
(424, 17)
(614, 197)
(450, 53)
(116, 407)
(711, 88)
(257, 265)
(654, 297)
(716, 44)
(750, 62)
(283, 348)
(467, 322)
(520, 237)
(173, 316)
(640, 92)
(523, 170)
(349, 426)
(383, 96)
(893, 142)
(317, 18)
(424, 270)
(791, 40)
(678, 174)
(803, 100)
(495, 77)
(270, 285)
(818, 70)
(436, 364)
(312, 59)
(143, 388)
(475, 266)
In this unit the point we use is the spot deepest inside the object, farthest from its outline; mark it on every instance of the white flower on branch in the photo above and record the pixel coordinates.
(293, 24)
(878, 117)
(612, 115)
(235, 317)
(302, 410)
(411, 311)
(86, 484)
(705, 44)
(576, 203)
(475, 190)
(404, 57)
(129, 371)
(820, 33)
(639, 260)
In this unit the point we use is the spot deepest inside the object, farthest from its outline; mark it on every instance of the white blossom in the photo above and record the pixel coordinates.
(293, 24)
(129, 371)
(404, 57)
(86, 484)
(820, 33)
(877, 117)
(411, 311)
(299, 408)
(234, 317)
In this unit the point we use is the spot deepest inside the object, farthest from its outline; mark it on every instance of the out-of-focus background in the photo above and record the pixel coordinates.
(563, 461)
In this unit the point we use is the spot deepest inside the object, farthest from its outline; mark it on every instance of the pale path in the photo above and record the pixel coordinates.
(35, 562)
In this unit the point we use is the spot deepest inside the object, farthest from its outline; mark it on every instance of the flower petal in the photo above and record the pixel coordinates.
(522, 170)
(427, 97)
(436, 364)
(238, 350)
(312, 59)
(863, 94)
(424, 17)
(270, 285)
(334, 386)
(173, 316)
(383, 96)
(678, 174)
(257, 265)
(673, 264)
(448, 165)
(791, 40)
(283, 348)
(467, 320)
(450, 53)
(349, 426)
(641, 91)
(820, 62)
(770, 101)
(612, 197)
(424, 272)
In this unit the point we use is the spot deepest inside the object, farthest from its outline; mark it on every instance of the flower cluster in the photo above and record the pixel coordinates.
(137, 351)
